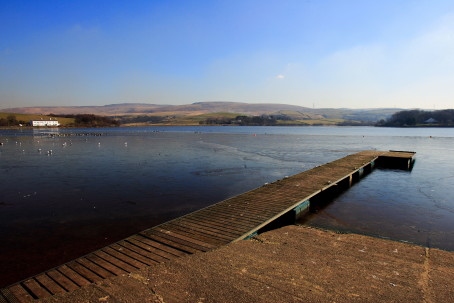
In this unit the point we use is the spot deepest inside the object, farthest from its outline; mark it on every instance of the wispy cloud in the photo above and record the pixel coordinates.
(82, 32)
(414, 71)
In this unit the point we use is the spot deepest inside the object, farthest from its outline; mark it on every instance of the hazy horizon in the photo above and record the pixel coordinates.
(258, 103)
(315, 54)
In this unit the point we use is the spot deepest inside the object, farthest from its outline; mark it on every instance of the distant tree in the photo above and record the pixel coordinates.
(419, 118)
(12, 120)
(141, 119)
(89, 120)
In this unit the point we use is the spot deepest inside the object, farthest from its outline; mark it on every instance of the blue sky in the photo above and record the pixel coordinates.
(313, 53)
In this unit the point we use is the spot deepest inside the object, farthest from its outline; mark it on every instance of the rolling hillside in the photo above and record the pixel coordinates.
(196, 112)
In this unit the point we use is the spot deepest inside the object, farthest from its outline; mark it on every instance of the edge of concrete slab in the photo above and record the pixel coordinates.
(291, 264)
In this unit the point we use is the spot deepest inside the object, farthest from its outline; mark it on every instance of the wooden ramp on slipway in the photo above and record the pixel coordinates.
(234, 219)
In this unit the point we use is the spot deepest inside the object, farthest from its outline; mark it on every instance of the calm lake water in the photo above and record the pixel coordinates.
(66, 192)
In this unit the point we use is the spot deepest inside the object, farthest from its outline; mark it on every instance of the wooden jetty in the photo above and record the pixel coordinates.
(231, 220)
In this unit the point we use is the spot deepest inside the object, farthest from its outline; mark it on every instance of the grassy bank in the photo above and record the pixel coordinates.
(25, 119)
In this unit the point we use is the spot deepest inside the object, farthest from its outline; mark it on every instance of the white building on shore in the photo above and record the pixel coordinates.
(44, 123)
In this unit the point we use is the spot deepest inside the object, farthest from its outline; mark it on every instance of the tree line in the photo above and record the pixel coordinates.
(262, 120)
(11, 120)
(80, 120)
(90, 120)
(420, 118)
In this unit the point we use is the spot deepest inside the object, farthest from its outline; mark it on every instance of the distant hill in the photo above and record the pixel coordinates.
(143, 108)
(203, 109)
(106, 110)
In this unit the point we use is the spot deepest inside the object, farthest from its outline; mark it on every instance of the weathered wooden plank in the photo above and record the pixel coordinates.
(115, 261)
(179, 239)
(83, 271)
(18, 292)
(98, 270)
(185, 237)
(37, 290)
(221, 219)
(205, 235)
(50, 284)
(226, 211)
(115, 270)
(238, 212)
(261, 209)
(194, 227)
(221, 227)
(222, 210)
(156, 251)
(61, 279)
(144, 252)
(399, 154)
(73, 276)
(268, 195)
(253, 215)
(229, 226)
(133, 262)
(160, 248)
(169, 242)
(132, 254)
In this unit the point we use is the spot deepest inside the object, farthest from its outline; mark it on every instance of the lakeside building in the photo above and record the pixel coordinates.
(44, 123)
(430, 121)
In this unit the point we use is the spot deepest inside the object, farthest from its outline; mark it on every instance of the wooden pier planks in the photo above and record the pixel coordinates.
(216, 225)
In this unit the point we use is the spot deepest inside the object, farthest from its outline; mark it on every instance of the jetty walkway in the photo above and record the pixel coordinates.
(234, 219)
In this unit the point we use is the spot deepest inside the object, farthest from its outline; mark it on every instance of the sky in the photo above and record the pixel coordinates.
(312, 53)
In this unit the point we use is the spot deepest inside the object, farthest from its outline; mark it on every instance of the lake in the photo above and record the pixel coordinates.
(67, 192)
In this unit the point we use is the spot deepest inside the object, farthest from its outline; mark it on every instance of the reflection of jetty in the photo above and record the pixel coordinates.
(237, 218)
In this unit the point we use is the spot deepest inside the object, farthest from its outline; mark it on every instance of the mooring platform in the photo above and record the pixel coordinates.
(236, 218)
